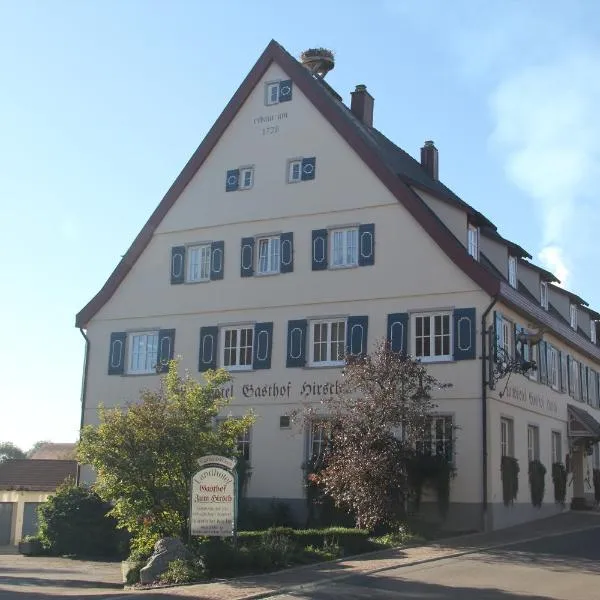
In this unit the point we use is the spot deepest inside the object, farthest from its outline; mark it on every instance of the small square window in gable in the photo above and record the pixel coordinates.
(278, 91)
(241, 178)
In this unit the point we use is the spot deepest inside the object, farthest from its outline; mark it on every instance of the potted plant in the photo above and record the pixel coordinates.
(30, 545)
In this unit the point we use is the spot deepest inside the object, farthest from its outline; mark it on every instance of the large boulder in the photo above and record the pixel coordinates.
(165, 551)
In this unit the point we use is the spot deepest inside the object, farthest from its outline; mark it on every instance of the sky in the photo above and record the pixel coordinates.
(102, 104)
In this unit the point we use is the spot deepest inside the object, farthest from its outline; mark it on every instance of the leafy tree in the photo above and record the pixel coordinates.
(374, 425)
(145, 456)
(8, 450)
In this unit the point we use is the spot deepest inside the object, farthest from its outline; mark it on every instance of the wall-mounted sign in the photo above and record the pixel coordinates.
(531, 400)
(213, 506)
(286, 391)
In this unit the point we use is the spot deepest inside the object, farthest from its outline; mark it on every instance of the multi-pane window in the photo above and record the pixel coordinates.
(553, 367)
(294, 171)
(318, 439)
(143, 352)
(437, 438)
(533, 442)
(328, 342)
(512, 271)
(573, 316)
(593, 388)
(269, 255)
(506, 437)
(432, 336)
(556, 447)
(532, 353)
(344, 247)
(593, 333)
(575, 379)
(544, 294)
(243, 444)
(246, 178)
(237, 347)
(198, 263)
(473, 241)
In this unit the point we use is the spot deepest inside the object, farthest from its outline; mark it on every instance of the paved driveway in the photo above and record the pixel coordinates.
(563, 567)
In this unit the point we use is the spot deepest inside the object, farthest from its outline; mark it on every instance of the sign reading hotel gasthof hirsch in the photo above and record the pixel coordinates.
(213, 502)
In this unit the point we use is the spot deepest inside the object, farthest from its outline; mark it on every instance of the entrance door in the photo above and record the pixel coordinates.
(6, 512)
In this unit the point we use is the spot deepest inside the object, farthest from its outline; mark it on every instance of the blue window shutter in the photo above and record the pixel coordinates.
(570, 375)
(263, 344)
(247, 257)
(586, 389)
(207, 355)
(564, 372)
(309, 166)
(498, 334)
(217, 260)
(286, 240)
(366, 245)
(116, 353)
(543, 357)
(178, 264)
(356, 335)
(232, 180)
(296, 343)
(285, 90)
(319, 249)
(166, 349)
(465, 329)
(397, 332)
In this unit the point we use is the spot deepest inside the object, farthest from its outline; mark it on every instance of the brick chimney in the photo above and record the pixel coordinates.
(429, 159)
(362, 105)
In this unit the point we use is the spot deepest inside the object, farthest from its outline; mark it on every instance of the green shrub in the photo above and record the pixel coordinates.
(183, 571)
(73, 521)
(509, 469)
(537, 482)
(559, 478)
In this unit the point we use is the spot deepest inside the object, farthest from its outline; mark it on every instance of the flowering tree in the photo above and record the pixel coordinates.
(373, 429)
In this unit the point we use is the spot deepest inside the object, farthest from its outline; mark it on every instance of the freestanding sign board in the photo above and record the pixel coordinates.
(214, 499)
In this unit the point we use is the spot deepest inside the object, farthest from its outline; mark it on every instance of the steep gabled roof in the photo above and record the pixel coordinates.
(345, 124)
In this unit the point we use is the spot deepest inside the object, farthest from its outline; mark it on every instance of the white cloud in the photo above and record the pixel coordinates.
(548, 133)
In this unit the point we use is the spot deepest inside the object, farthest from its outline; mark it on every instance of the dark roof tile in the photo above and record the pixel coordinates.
(35, 475)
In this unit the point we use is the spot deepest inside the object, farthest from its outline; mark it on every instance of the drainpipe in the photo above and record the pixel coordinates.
(484, 418)
(83, 391)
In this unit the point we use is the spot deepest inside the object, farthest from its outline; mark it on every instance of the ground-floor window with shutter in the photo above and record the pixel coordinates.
(237, 344)
(327, 342)
(438, 438)
(318, 438)
(556, 447)
(432, 336)
(533, 442)
(507, 437)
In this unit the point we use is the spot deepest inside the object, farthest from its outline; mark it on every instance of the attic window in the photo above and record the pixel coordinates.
(473, 241)
(544, 294)
(278, 91)
(593, 337)
(512, 271)
(573, 316)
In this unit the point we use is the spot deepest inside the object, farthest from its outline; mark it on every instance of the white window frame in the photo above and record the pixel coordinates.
(328, 362)
(473, 241)
(573, 316)
(553, 368)
(533, 442)
(507, 436)
(556, 446)
(533, 354)
(318, 435)
(273, 260)
(291, 178)
(544, 294)
(507, 337)
(348, 232)
(242, 180)
(432, 357)
(223, 333)
(151, 358)
(575, 377)
(512, 271)
(268, 87)
(203, 250)
(435, 434)
(593, 333)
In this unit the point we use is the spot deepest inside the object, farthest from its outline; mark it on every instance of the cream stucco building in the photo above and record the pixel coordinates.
(296, 231)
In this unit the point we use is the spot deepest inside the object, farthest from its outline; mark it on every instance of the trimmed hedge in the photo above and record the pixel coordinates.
(351, 541)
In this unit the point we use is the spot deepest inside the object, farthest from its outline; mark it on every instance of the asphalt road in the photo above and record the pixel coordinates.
(565, 567)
